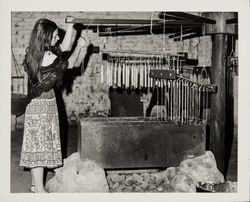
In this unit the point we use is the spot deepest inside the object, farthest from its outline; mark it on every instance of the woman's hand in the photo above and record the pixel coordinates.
(69, 19)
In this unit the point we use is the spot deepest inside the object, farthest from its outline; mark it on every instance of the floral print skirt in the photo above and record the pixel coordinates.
(41, 141)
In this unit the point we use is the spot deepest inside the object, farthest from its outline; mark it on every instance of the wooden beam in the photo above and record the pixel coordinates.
(188, 17)
(218, 100)
(232, 21)
(96, 22)
(113, 21)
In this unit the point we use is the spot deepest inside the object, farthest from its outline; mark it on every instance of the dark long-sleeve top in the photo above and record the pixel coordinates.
(50, 75)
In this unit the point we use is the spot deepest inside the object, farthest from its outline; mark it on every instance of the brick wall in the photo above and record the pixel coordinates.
(88, 93)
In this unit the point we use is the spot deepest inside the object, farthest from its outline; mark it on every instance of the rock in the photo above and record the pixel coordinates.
(170, 173)
(121, 188)
(182, 182)
(121, 178)
(144, 184)
(113, 177)
(152, 185)
(138, 189)
(115, 186)
(230, 187)
(158, 178)
(138, 178)
(129, 180)
(146, 177)
(129, 189)
(160, 189)
(202, 168)
(226, 187)
(78, 176)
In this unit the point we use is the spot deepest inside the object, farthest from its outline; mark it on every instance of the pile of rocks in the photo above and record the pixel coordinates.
(142, 182)
(189, 175)
(88, 176)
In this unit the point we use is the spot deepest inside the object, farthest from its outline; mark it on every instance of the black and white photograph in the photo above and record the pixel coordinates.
(127, 102)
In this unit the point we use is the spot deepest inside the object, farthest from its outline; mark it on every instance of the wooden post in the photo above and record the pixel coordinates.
(219, 33)
(218, 100)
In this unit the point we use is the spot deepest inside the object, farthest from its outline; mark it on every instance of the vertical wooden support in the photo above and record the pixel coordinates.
(218, 100)
(219, 33)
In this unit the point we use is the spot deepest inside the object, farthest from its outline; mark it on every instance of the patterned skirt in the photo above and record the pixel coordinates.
(41, 141)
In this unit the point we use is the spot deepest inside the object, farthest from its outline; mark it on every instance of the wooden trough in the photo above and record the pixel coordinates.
(135, 142)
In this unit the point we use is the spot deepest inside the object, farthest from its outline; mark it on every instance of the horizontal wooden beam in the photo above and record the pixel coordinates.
(188, 16)
(113, 21)
(232, 21)
(98, 22)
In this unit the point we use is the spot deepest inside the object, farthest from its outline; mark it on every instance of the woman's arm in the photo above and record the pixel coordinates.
(67, 38)
(72, 59)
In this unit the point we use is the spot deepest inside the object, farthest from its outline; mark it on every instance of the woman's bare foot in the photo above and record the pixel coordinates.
(40, 190)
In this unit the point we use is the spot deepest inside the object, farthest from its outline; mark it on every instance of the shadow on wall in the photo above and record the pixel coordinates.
(67, 83)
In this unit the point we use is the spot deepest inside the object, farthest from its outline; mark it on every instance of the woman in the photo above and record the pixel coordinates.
(45, 66)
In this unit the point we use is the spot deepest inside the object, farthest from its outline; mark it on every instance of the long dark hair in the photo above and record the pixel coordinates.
(40, 41)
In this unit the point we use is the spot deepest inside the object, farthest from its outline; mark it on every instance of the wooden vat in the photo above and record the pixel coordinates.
(138, 142)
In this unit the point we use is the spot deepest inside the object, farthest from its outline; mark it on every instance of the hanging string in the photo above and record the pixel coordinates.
(204, 44)
(181, 38)
(91, 20)
(181, 33)
(164, 37)
(151, 24)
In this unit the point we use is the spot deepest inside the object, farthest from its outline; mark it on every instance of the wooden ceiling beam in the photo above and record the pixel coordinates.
(188, 17)
(118, 22)
(232, 21)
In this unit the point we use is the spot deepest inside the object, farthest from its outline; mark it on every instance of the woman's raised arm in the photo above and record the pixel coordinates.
(67, 38)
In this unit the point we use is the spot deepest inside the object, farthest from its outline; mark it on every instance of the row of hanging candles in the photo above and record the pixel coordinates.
(133, 72)
(184, 101)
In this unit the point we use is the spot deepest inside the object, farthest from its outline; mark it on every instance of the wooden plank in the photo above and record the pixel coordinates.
(136, 143)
